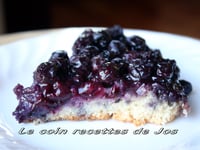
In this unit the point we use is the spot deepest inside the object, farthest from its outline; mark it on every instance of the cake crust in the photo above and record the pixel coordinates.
(136, 110)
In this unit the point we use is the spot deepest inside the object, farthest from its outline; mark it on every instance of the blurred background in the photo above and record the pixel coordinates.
(175, 16)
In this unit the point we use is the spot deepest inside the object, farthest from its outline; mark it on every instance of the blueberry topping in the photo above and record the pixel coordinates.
(104, 64)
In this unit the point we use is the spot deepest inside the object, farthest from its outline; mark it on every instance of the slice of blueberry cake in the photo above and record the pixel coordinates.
(108, 76)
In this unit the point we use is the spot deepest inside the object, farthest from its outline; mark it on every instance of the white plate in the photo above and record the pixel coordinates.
(18, 60)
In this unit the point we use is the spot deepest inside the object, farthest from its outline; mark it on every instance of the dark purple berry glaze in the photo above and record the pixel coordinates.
(104, 64)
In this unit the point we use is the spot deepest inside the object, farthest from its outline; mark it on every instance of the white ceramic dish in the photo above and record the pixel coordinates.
(17, 62)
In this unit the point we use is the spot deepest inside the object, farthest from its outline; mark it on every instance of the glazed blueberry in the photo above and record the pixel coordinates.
(97, 62)
(166, 68)
(45, 73)
(80, 67)
(116, 47)
(57, 55)
(120, 65)
(138, 43)
(116, 32)
(107, 74)
(90, 51)
(101, 39)
(187, 87)
(106, 55)
(50, 72)
(85, 39)
(139, 72)
(156, 55)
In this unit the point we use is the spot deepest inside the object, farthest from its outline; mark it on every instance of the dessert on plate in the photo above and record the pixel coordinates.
(108, 76)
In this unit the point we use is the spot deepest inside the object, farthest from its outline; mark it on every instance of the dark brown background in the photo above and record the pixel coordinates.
(175, 16)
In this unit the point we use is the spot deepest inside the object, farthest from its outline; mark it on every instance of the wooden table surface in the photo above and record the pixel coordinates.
(174, 16)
